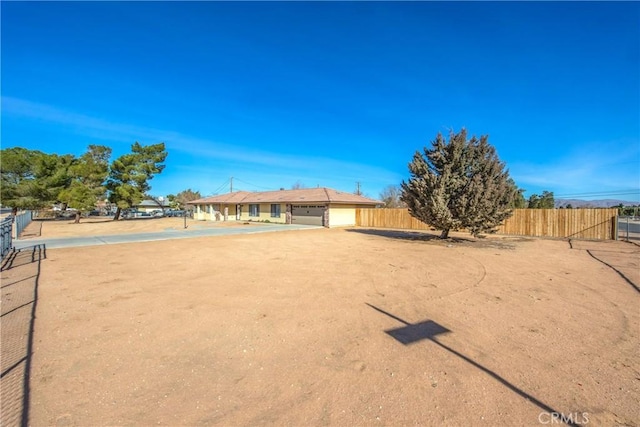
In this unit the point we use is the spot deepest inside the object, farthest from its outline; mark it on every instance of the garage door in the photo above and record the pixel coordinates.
(307, 214)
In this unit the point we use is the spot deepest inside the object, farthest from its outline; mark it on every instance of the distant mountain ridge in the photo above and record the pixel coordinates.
(603, 203)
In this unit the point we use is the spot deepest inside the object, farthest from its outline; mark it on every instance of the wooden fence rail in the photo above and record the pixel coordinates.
(574, 223)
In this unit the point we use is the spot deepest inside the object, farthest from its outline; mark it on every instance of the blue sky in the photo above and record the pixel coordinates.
(330, 93)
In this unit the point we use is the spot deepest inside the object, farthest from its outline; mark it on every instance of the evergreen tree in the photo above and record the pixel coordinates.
(129, 176)
(17, 172)
(545, 201)
(88, 175)
(519, 202)
(533, 202)
(32, 179)
(52, 175)
(459, 184)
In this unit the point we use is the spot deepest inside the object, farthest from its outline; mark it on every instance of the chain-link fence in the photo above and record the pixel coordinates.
(629, 228)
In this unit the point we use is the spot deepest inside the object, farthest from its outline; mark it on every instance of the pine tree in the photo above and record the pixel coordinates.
(459, 184)
(545, 201)
(31, 179)
(18, 178)
(88, 174)
(129, 175)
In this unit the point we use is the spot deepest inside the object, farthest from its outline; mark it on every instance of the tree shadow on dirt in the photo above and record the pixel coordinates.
(412, 333)
(423, 236)
(420, 236)
(20, 276)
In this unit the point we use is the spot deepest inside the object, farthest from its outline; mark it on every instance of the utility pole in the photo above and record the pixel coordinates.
(358, 188)
(231, 185)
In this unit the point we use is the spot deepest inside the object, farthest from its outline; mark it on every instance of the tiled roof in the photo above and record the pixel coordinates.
(229, 198)
(303, 195)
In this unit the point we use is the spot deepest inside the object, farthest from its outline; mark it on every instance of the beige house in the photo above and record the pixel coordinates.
(311, 206)
(152, 205)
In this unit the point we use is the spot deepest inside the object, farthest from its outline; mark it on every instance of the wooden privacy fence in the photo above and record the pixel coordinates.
(574, 223)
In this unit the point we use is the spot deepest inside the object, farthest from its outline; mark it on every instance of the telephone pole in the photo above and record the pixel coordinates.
(358, 188)
(231, 185)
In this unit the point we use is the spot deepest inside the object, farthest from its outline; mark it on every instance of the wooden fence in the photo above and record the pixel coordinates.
(567, 223)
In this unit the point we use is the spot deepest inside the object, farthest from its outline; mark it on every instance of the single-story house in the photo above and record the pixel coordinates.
(311, 206)
(152, 205)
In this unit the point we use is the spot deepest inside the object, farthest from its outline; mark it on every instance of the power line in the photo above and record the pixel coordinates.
(221, 187)
(628, 192)
(253, 185)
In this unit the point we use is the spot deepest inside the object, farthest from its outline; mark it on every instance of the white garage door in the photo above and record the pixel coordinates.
(307, 214)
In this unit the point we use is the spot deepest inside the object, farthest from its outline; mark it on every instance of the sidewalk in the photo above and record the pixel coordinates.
(68, 242)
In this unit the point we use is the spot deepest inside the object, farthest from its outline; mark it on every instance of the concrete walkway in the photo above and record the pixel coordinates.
(68, 242)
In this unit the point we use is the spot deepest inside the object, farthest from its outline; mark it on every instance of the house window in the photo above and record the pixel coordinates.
(208, 208)
(254, 210)
(275, 211)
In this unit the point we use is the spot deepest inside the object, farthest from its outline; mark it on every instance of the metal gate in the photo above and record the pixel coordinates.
(628, 228)
(5, 227)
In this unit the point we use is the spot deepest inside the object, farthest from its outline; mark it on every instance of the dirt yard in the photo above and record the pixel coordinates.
(338, 327)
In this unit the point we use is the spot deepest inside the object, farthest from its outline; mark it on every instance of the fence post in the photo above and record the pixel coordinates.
(6, 231)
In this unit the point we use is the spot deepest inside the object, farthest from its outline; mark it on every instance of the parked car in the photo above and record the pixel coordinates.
(132, 213)
(174, 212)
(157, 213)
(68, 213)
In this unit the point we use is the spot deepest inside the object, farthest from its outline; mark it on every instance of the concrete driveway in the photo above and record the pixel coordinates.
(68, 242)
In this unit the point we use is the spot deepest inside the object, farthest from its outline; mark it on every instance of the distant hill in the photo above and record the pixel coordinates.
(604, 203)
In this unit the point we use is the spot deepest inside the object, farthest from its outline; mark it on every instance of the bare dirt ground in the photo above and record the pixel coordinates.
(337, 327)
